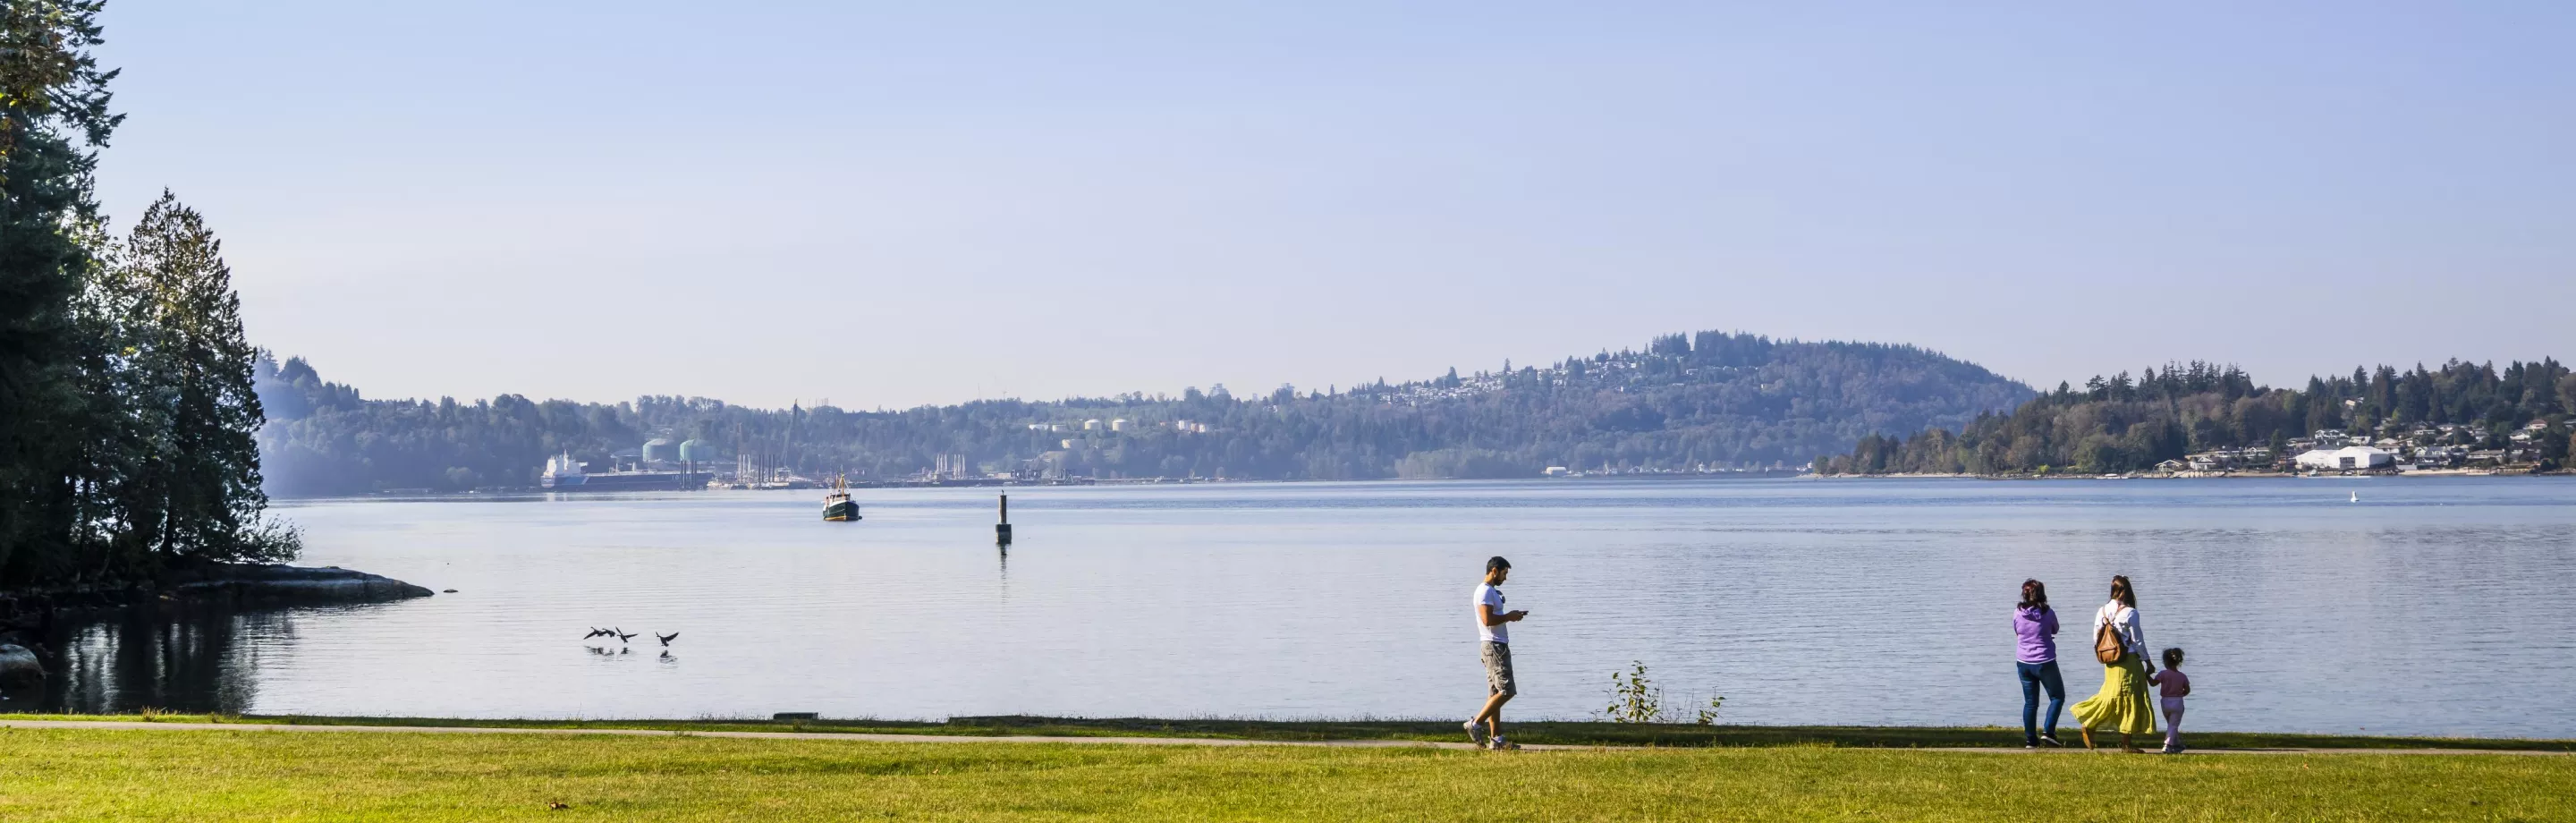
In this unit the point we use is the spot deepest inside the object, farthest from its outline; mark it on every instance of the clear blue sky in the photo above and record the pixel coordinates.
(930, 202)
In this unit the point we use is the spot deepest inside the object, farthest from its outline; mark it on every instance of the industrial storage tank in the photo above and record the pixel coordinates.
(660, 449)
(697, 451)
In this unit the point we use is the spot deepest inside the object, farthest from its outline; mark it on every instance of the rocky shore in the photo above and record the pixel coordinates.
(27, 616)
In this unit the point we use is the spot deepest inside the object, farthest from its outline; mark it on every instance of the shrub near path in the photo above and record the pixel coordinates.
(133, 775)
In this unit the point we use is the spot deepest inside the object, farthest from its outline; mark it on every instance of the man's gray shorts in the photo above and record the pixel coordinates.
(1498, 669)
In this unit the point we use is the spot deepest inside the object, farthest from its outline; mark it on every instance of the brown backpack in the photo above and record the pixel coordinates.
(2108, 647)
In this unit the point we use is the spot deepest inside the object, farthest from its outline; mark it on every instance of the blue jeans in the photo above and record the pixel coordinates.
(2036, 676)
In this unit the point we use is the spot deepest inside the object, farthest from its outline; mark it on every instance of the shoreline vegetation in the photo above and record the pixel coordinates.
(508, 493)
(1562, 733)
(2201, 417)
(2227, 475)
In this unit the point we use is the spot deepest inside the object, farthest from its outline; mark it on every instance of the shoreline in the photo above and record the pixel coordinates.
(539, 494)
(28, 616)
(1211, 731)
(241, 584)
(2513, 472)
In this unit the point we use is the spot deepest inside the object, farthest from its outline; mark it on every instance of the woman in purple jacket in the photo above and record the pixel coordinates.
(2036, 626)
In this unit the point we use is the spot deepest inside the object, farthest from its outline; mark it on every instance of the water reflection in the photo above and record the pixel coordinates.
(192, 660)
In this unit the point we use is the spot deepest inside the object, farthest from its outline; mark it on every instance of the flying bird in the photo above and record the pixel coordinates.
(667, 638)
(622, 635)
(595, 631)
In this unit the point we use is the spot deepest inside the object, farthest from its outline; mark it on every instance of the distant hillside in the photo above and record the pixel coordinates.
(2117, 424)
(1711, 399)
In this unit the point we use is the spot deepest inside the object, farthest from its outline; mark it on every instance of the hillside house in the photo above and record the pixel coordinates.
(2348, 458)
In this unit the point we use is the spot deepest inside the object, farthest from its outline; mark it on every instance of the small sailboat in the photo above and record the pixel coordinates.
(837, 506)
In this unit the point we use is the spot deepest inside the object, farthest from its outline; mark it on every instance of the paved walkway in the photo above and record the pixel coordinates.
(138, 725)
(872, 738)
(2116, 750)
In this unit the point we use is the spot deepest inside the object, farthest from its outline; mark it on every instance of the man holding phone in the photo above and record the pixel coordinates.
(1486, 728)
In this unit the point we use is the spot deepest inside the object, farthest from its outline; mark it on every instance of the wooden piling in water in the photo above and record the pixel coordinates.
(1002, 530)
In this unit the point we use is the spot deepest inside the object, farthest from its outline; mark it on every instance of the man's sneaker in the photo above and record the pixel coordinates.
(1500, 745)
(2051, 742)
(1475, 732)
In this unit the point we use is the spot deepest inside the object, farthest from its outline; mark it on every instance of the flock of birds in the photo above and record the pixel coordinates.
(623, 636)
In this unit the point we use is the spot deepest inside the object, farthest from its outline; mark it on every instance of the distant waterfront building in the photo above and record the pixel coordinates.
(1556, 471)
(1092, 424)
(1118, 425)
(2346, 458)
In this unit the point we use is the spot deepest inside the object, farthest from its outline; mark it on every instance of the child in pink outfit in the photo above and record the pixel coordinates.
(2172, 686)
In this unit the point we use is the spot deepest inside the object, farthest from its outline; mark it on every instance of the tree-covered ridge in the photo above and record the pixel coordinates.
(126, 408)
(1686, 401)
(2119, 425)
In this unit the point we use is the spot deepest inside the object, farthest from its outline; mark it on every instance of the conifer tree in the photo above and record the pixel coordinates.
(53, 117)
(199, 368)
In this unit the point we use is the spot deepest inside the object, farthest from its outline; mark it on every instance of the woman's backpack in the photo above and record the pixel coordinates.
(2108, 646)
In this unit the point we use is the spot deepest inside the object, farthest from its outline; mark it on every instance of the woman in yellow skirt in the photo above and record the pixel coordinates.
(2122, 705)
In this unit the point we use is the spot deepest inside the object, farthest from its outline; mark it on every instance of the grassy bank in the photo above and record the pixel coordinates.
(96, 774)
(1563, 733)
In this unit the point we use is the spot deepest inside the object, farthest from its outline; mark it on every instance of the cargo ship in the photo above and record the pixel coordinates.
(564, 474)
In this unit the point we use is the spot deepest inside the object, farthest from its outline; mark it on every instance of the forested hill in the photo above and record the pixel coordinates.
(1710, 399)
(2118, 424)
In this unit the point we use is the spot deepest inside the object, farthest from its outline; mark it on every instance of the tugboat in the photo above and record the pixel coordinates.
(837, 506)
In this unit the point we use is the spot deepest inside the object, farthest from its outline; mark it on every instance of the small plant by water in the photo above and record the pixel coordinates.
(1634, 698)
(1708, 714)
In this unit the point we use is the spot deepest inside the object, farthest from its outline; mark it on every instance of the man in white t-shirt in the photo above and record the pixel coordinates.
(1486, 728)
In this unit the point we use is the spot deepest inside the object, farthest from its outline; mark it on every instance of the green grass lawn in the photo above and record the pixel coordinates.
(51, 774)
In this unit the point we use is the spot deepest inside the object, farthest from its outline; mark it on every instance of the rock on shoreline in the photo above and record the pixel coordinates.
(29, 617)
(243, 585)
(277, 584)
(19, 667)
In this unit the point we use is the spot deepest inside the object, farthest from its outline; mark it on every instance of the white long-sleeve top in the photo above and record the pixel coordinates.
(2131, 629)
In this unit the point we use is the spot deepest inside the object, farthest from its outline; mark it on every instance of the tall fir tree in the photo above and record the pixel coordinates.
(126, 410)
(53, 119)
(196, 373)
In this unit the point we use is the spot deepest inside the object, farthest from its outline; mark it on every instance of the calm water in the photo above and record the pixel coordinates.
(2437, 606)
